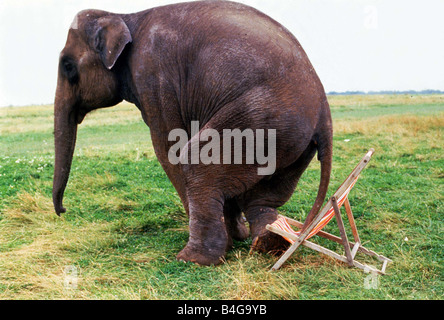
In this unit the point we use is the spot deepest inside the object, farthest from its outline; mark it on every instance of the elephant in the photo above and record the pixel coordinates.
(224, 65)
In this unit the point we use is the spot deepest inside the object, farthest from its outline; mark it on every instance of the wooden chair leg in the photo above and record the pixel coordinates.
(351, 219)
(355, 249)
(344, 238)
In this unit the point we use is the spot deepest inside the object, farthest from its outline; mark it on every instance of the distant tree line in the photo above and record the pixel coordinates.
(333, 93)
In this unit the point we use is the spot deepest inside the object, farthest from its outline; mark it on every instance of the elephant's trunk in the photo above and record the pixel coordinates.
(65, 130)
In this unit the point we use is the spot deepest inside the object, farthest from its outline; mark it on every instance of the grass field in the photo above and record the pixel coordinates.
(125, 223)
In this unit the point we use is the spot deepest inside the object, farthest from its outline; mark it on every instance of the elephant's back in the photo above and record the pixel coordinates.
(231, 24)
(222, 50)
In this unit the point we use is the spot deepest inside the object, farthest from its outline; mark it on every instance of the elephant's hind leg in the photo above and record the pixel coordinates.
(261, 202)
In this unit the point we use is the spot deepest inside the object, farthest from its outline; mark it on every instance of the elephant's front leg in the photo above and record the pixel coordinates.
(208, 236)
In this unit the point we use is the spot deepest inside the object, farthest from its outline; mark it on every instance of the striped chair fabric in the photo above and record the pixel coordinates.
(282, 223)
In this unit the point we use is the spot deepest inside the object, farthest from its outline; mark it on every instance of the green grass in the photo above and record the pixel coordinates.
(125, 223)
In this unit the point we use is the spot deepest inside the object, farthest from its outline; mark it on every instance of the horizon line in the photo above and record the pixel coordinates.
(329, 93)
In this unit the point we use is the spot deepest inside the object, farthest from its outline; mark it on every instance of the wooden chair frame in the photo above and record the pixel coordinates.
(350, 248)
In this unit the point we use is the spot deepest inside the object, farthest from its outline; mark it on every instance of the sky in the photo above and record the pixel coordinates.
(354, 45)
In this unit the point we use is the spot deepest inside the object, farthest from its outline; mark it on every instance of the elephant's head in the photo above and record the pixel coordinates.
(86, 81)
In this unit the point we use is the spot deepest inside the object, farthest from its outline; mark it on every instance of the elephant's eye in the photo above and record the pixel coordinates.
(69, 69)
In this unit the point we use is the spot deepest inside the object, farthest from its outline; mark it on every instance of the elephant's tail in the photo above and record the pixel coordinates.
(324, 143)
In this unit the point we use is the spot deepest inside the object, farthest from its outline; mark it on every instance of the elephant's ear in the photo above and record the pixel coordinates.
(110, 38)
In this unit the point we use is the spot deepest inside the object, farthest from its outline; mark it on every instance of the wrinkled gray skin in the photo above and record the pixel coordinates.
(223, 64)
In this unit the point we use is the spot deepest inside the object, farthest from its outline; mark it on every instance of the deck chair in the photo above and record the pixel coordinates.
(282, 227)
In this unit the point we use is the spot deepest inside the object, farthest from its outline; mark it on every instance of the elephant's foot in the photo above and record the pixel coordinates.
(269, 242)
(200, 256)
(264, 240)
